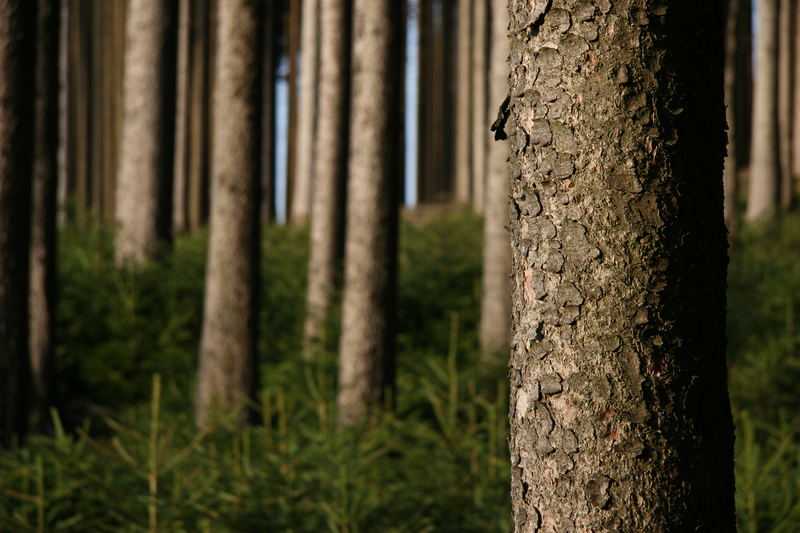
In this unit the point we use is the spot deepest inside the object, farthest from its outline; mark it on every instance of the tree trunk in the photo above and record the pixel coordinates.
(271, 55)
(182, 106)
(17, 33)
(291, 133)
(464, 104)
(63, 112)
(306, 113)
(43, 207)
(366, 351)
(786, 62)
(327, 220)
(796, 107)
(495, 328)
(479, 102)
(732, 52)
(144, 184)
(199, 115)
(227, 374)
(762, 195)
(619, 412)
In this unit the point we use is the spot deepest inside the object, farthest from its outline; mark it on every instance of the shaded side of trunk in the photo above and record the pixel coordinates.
(463, 163)
(76, 188)
(732, 63)
(144, 178)
(271, 58)
(227, 377)
(495, 327)
(619, 258)
(182, 104)
(479, 101)
(199, 115)
(796, 107)
(43, 207)
(293, 24)
(366, 366)
(330, 171)
(786, 61)
(17, 42)
(63, 121)
(306, 113)
(762, 197)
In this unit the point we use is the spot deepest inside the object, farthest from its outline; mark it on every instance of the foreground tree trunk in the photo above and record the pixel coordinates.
(17, 33)
(366, 352)
(43, 206)
(762, 197)
(143, 204)
(619, 411)
(495, 328)
(330, 169)
(227, 376)
(463, 158)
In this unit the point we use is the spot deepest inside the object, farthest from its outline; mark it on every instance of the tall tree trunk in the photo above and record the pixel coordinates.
(144, 179)
(366, 366)
(199, 115)
(182, 105)
(495, 328)
(762, 195)
(327, 217)
(17, 41)
(293, 24)
(271, 58)
(479, 102)
(43, 206)
(619, 411)
(63, 112)
(77, 114)
(732, 63)
(463, 164)
(227, 375)
(306, 113)
(796, 106)
(786, 82)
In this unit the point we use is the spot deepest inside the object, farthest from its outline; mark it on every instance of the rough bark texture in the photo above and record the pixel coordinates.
(762, 197)
(226, 379)
(786, 61)
(619, 412)
(463, 166)
(144, 184)
(306, 113)
(43, 206)
(496, 288)
(330, 169)
(17, 34)
(480, 17)
(366, 351)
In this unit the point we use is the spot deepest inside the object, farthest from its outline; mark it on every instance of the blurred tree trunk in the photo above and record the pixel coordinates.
(227, 375)
(786, 82)
(271, 57)
(495, 327)
(619, 283)
(144, 178)
(17, 58)
(464, 104)
(77, 153)
(366, 367)
(306, 113)
(479, 101)
(182, 100)
(737, 79)
(327, 217)
(43, 207)
(199, 114)
(796, 107)
(291, 134)
(63, 121)
(762, 197)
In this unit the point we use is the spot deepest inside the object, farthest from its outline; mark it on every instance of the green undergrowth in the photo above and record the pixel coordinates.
(123, 455)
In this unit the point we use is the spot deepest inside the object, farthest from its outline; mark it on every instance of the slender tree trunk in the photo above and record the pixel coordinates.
(227, 375)
(306, 113)
(327, 220)
(762, 195)
(479, 102)
(144, 179)
(78, 135)
(796, 106)
(43, 206)
(199, 116)
(271, 57)
(182, 106)
(63, 113)
(619, 256)
(291, 156)
(732, 63)
(17, 42)
(495, 328)
(464, 104)
(425, 73)
(786, 82)
(366, 351)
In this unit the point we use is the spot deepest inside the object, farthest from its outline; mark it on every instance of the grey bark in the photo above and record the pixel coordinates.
(330, 169)
(226, 379)
(495, 327)
(762, 197)
(17, 31)
(144, 184)
(43, 207)
(480, 16)
(786, 62)
(464, 104)
(306, 113)
(182, 106)
(619, 412)
(366, 351)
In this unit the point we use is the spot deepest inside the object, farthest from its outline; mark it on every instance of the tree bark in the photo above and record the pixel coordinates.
(495, 327)
(732, 63)
(619, 411)
(17, 42)
(144, 178)
(786, 82)
(464, 104)
(199, 117)
(182, 106)
(796, 107)
(63, 112)
(762, 197)
(479, 102)
(306, 113)
(291, 133)
(366, 351)
(271, 55)
(43, 207)
(330, 169)
(227, 373)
